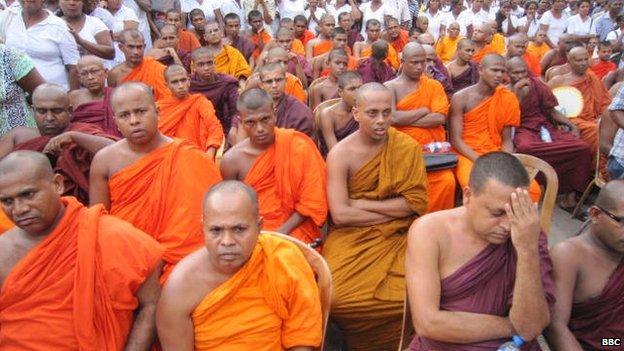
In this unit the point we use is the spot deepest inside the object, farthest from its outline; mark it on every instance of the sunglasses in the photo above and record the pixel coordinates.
(619, 220)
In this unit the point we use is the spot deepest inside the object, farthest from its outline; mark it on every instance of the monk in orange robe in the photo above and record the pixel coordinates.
(320, 64)
(264, 289)
(301, 29)
(364, 49)
(227, 59)
(447, 45)
(395, 35)
(603, 65)
(187, 41)
(73, 278)
(296, 63)
(257, 33)
(323, 43)
(498, 43)
(293, 87)
(138, 68)
(286, 169)
(189, 116)
(538, 46)
(516, 47)
(481, 118)
(480, 36)
(412, 92)
(150, 180)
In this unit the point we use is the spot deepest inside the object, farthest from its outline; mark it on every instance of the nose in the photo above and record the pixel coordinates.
(227, 239)
(20, 207)
(134, 119)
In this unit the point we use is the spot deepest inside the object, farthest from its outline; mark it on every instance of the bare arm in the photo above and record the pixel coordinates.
(315, 96)
(98, 181)
(618, 118)
(29, 82)
(299, 72)
(546, 60)
(228, 166)
(143, 333)
(327, 130)
(74, 81)
(7, 143)
(507, 140)
(456, 128)
(607, 131)
(145, 5)
(396, 207)
(103, 46)
(292, 222)
(356, 14)
(309, 49)
(173, 318)
(91, 143)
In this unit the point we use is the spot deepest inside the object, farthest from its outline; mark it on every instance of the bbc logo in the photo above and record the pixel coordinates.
(611, 341)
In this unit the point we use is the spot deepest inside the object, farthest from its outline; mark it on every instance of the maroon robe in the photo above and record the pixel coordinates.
(245, 46)
(601, 316)
(353, 36)
(444, 77)
(348, 129)
(223, 93)
(292, 113)
(72, 163)
(485, 285)
(305, 66)
(184, 56)
(569, 156)
(373, 70)
(558, 60)
(467, 78)
(98, 113)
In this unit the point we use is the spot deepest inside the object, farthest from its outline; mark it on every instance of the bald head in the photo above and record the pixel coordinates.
(48, 91)
(125, 90)
(254, 99)
(411, 49)
(131, 35)
(379, 49)
(90, 60)
(462, 43)
(429, 50)
(202, 51)
(175, 69)
(426, 39)
(327, 18)
(366, 91)
(611, 196)
(28, 163)
(169, 29)
(516, 62)
(277, 53)
(491, 60)
(231, 188)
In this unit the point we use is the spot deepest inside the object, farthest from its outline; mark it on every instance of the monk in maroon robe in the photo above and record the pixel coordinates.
(222, 91)
(305, 67)
(98, 113)
(374, 70)
(467, 78)
(184, 56)
(244, 45)
(567, 153)
(292, 113)
(348, 129)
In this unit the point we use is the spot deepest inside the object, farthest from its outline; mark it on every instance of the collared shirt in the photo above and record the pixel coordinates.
(604, 24)
(617, 151)
(556, 26)
(576, 25)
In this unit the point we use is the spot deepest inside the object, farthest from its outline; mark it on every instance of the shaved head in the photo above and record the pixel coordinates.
(254, 99)
(277, 51)
(230, 188)
(500, 166)
(169, 28)
(516, 62)
(327, 17)
(122, 91)
(369, 89)
(89, 60)
(131, 34)
(29, 163)
(49, 91)
(492, 59)
(429, 50)
(462, 43)
(173, 69)
(519, 37)
(426, 39)
(611, 196)
(201, 51)
(379, 49)
(411, 49)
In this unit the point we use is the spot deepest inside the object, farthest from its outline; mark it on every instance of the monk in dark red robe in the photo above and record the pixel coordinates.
(222, 91)
(467, 78)
(305, 67)
(184, 56)
(292, 113)
(348, 129)
(98, 113)
(374, 70)
(244, 45)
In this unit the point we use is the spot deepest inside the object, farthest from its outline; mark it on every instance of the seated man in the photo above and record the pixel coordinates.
(481, 35)
(70, 145)
(320, 64)
(232, 27)
(293, 85)
(150, 180)
(480, 274)
(447, 45)
(376, 188)
(197, 19)
(363, 49)
(603, 64)
(537, 46)
(91, 104)
(227, 59)
(75, 277)
(421, 111)
(283, 165)
(395, 35)
(481, 119)
(562, 69)
(296, 46)
(323, 43)
(435, 69)
(374, 68)
(136, 67)
(327, 87)
(516, 47)
(166, 49)
(345, 22)
(564, 151)
(187, 41)
(612, 78)
(259, 285)
(301, 29)
(188, 116)
(221, 89)
(589, 272)
(557, 56)
(297, 64)
(258, 35)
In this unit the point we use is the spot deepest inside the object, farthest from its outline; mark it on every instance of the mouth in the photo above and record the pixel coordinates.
(380, 131)
(137, 133)
(229, 257)
(24, 222)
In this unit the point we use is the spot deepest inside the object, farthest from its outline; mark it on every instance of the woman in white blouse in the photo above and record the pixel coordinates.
(553, 22)
(529, 24)
(582, 26)
(91, 34)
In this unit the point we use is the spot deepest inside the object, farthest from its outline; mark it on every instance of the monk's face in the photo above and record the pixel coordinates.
(232, 27)
(414, 65)
(259, 125)
(347, 94)
(373, 113)
(231, 227)
(256, 23)
(300, 28)
(198, 22)
(340, 41)
(285, 40)
(133, 49)
(605, 53)
(327, 26)
(52, 113)
(136, 116)
(453, 30)
(517, 72)
(204, 66)
(169, 38)
(486, 211)
(373, 32)
(480, 33)
(31, 201)
(492, 74)
(393, 29)
(578, 59)
(540, 38)
(338, 65)
(608, 227)
(274, 83)
(92, 76)
(175, 19)
(515, 48)
(179, 83)
(345, 22)
(212, 33)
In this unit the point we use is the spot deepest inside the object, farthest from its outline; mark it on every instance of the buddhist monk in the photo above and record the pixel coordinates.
(421, 112)
(482, 117)
(167, 51)
(150, 180)
(565, 151)
(198, 21)
(73, 278)
(463, 70)
(297, 65)
(221, 89)
(516, 47)
(596, 98)
(301, 29)
(447, 45)
(345, 21)
(481, 36)
(70, 146)
(259, 284)
(374, 68)
(258, 35)
(603, 64)
(364, 49)
(376, 188)
(434, 68)
(188, 116)
(138, 68)
(283, 166)
(327, 87)
(395, 35)
(296, 46)
(227, 59)
(425, 39)
(589, 296)
(91, 104)
(557, 56)
(479, 275)
(497, 40)
(337, 122)
(187, 41)
(293, 86)
(232, 26)
(537, 46)
(320, 64)
(323, 43)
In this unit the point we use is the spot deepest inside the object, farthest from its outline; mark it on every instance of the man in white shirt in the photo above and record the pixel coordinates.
(207, 6)
(400, 11)
(473, 16)
(124, 18)
(375, 9)
(291, 8)
(140, 8)
(91, 8)
(234, 6)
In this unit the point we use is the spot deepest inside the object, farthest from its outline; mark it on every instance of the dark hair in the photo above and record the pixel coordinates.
(231, 16)
(253, 14)
(500, 166)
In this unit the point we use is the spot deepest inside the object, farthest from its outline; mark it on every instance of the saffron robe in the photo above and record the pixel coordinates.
(223, 93)
(322, 47)
(231, 61)
(259, 39)
(5, 222)
(601, 68)
(401, 40)
(187, 41)
(306, 37)
(392, 59)
(538, 50)
(446, 48)
(152, 73)
(533, 63)
(292, 113)
(486, 50)
(498, 44)
(99, 113)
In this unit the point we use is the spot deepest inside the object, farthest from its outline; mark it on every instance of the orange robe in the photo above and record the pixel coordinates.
(479, 55)
(162, 194)
(290, 176)
(430, 94)
(259, 39)
(392, 59)
(231, 61)
(322, 47)
(295, 88)
(187, 41)
(297, 47)
(538, 50)
(533, 63)
(75, 290)
(498, 44)
(5, 222)
(446, 48)
(193, 119)
(602, 68)
(482, 131)
(152, 73)
(307, 36)
(399, 43)
(271, 303)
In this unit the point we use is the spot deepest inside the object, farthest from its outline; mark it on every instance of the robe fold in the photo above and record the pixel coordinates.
(485, 285)
(430, 94)
(231, 61)
(601, 68)
(291, 176)
(295, 88)
(259, 39)
(392, 59)
(297, 47)
(322, 47)
(479, 55)
(306, 37)
(223, 93)
(372, 70)
(401, 40)
(152, 73)
(192, 119)
(271, 303)
(73, 163)
(446, 48)
(533, 63)
(162, 194)
(98, 113)
(538, 50)
(305, 67)
(601, 316)
(353, 36)
(483, 128)
(349, 128)
(244, 46)
(368, 262)
(75, 290)
(569, 156)
(187, 41)
(498, 44)
(292, 113)
(467, 78)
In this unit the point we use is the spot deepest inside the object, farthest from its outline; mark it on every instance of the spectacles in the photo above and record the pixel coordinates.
(92, 72)
(619, 220)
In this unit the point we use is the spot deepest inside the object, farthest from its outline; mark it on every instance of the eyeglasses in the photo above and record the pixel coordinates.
(618, 220)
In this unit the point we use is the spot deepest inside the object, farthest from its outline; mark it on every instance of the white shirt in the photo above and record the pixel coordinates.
(291, 8)
(468, 17)
(514, 23)
(206, 6)
(614, 34)
(575, 25)
(435, 22)
(337, 11)
(92, 26)
(368, 13)
(556, 26)
(48, 43)
(104, 16)
(312, 24)
(122, 15)
(399, 9)
(143, 24)
(518, 12)
(532, 28)
(463, 22)
(231, 6)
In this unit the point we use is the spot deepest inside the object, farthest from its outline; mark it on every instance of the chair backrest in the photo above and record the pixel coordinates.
(407, 329)
(533, 166)
(322, 272)
(317, 116)
(312, 85)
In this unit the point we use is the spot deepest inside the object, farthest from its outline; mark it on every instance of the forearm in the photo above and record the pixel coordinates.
(74, 81)
(265, 13)
(291, 223)
(99, 50)
(348, 216)
(91, 143)
(465, 327)
(508, 146)
(464, 149)
(143, 333)
(300, 74)
(561, 338)
(408, 118)
(397, 207)
(431, 120)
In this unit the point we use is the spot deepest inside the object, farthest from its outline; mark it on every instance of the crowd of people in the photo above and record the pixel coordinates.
(149, 148)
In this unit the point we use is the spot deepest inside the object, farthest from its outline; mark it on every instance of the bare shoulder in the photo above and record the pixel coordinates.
(187, 283)
(571, 250)
(460, 97)
(556, 81)
(391, 84)
(75, 97)
(434, 226)
(22, 134)
(235, 151)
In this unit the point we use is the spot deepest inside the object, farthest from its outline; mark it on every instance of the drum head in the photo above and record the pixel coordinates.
(570, 101)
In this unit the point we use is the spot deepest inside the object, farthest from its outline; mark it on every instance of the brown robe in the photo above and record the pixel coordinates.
(98, 113)
(223, 93)
(466, 78)
(293, 114)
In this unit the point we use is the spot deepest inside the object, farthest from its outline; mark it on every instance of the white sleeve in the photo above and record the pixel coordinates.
(611, 36)
(592, 28)
(68, 47)
(98, 26)
(545, 19)
(130, 15)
